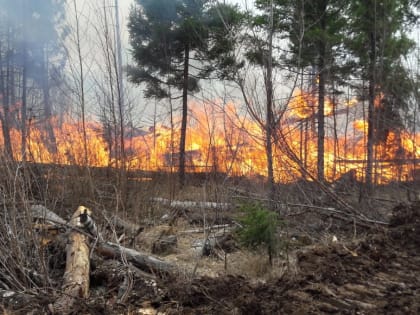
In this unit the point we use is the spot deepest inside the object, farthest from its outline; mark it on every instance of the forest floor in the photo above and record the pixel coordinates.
(338, 271)
(379, 274)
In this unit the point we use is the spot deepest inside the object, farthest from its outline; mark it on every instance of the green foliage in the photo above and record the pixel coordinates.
(259, 228)
(378, 42)
(163, 32)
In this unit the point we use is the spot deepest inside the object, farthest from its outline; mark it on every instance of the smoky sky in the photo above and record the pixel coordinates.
(36, 20)
(31, 29)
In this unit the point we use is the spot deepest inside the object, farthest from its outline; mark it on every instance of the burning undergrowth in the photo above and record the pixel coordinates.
(222, 140)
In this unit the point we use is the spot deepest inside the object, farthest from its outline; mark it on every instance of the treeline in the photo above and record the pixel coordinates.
(62, 55)
(334, 44)
(31, 67)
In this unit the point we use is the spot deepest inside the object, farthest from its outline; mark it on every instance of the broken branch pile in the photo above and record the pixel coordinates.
(83, 239)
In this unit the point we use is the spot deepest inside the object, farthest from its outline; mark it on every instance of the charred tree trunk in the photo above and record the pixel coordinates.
(120, 92)
(5, 90)
(82, 84)
(269, 124)
(321, 100)
(371, 107)
(51, 140)
(23, 126)
(184, 116)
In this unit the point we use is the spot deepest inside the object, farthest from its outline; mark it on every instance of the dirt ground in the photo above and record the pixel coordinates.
(376, 274)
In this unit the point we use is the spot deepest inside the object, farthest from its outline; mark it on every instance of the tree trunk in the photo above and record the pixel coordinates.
(184, 117)
(51, 140)
(76, 275)
(5, 118)
(269, 124)
(321, 100)
(120, 89)
(82, 85)
(23, 126)
(371, 106)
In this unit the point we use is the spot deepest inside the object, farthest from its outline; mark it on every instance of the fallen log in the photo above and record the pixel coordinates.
(193, 204)
(143, 261)
(76, 275)
(42, 213)
(140, 260)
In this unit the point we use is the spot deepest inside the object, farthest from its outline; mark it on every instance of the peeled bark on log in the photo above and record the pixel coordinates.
(76, 275)
(138, 259)
(41, 212)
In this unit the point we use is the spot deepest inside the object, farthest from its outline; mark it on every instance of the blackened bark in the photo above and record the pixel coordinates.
(23, 126)
(184, 117)
(371, 106)
(321, 100)
(5, 91)
(51, 140)
(269, 124)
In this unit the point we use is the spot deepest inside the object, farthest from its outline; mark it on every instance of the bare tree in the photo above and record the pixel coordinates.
(80, 80)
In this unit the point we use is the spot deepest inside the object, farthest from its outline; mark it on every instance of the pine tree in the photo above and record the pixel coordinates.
(316, 35)
(378, 42)
(167, 37)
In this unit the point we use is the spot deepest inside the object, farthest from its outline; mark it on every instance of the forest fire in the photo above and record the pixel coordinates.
(221, 139)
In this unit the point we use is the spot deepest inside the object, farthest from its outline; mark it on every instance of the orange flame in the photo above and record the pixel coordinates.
(304, 105)
(220, 139)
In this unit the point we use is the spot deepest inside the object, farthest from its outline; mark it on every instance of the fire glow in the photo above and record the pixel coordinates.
(220, 139)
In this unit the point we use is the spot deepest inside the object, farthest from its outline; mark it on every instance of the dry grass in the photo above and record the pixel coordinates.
(23, 263)
(63, 189)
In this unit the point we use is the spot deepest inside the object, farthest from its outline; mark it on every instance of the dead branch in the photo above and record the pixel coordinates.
(348, 216)
(201, 230)
(365, 222)
(140, 260)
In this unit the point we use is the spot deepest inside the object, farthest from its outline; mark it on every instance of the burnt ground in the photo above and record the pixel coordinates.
(378, 274)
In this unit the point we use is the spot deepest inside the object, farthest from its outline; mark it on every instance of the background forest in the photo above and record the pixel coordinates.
(281, 89)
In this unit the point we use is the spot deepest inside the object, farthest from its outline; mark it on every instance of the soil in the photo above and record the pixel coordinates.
(378, 274)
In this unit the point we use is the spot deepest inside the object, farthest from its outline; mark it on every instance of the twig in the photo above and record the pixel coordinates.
(338, 212)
